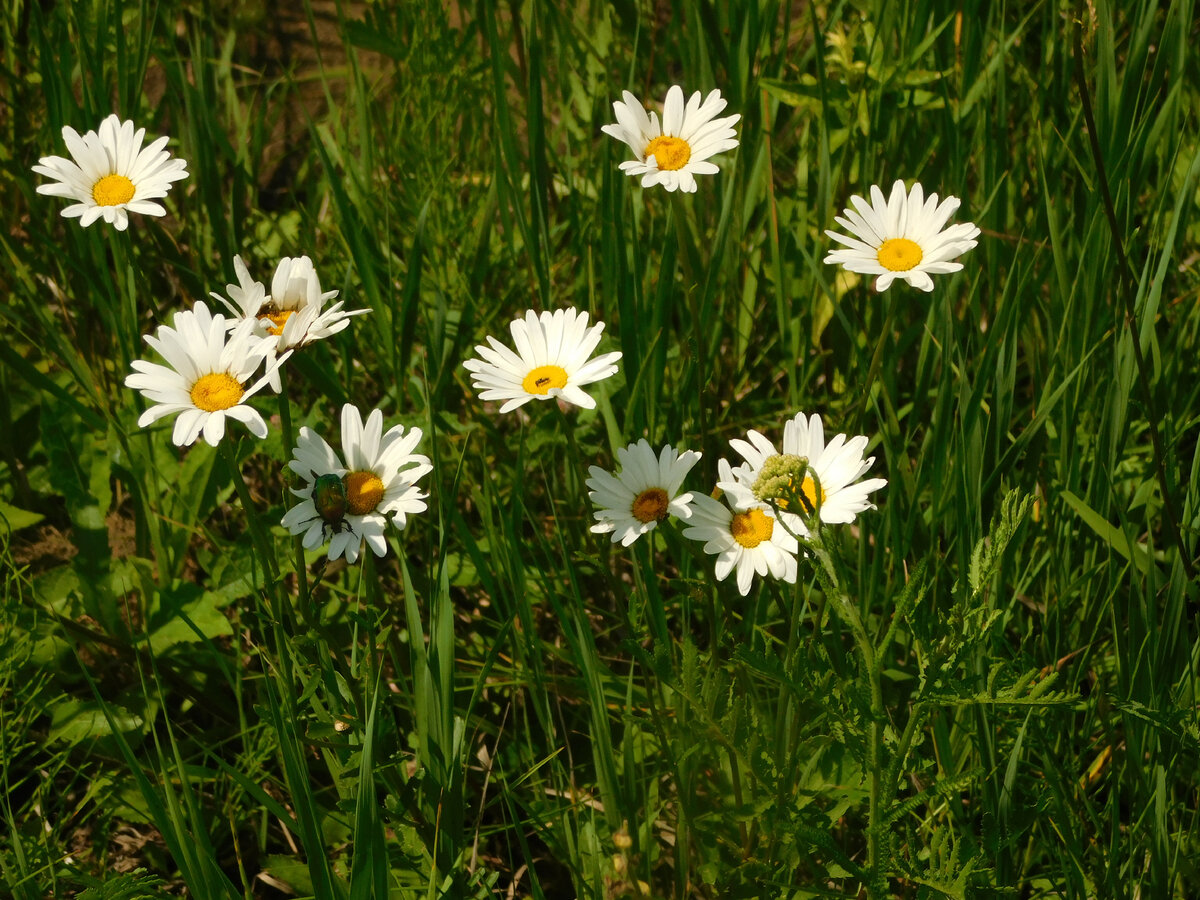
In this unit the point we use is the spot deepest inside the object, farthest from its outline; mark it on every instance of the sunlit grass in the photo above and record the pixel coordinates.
(994, 670)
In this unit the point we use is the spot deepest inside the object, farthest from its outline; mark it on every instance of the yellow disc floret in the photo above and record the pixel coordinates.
(751, 528)
(364, 491)
(216, 391)
(809, 489)
(651, 505)
(277, 319)
(670, 153)
(544, 379)
(112, 190)
(900, 254)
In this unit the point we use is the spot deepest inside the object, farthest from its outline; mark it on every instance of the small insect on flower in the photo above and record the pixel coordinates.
(347, 504)
(329, 500)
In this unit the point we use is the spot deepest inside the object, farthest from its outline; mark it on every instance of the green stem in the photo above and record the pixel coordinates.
(848, 611)
(689, 256)
(575, 469)
(258, 535)
(289, 441)
(127, 331)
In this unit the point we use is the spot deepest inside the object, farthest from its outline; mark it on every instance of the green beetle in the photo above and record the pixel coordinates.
(329, 499)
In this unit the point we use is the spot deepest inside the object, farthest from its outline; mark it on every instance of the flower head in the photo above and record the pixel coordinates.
(292, 314)
(356, 500)
(645, 491)
(674, 152)
(551, 361)
(206, 379)
(901, 237)
(809, 477)
(110, 174)
(742, 535)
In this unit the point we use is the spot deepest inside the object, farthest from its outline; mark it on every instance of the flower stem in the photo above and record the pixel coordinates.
(689, 256)
(849, 614)
(258, 535)
(289, 441)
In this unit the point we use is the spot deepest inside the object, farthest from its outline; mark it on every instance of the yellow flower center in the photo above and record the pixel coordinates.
(809, 490)
(651, 505)
(543, 379)
(751, 528)
(671, 153)
(364, 490)
(216, 391)
(112, 190)
(899, 254)
(277, 319)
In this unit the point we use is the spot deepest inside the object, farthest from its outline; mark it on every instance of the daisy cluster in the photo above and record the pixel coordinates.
(761, 511)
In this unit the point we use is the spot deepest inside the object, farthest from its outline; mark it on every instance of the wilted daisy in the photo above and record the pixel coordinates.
(356, 501)
(809, 476)
(551, 361)
(742, 535)
(645, 491)
(206, 379)
(674, 152)
(292, 313)
(901, 237)
(111, 174)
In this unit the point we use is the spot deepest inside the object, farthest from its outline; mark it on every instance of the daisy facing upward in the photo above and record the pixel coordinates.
(292, 314)
(901, 237)
(110, 174)
(206, 378)
(646, 490)
(356, 501)
(810, 477)
(672, 153)
(551, 361)
(744, 537)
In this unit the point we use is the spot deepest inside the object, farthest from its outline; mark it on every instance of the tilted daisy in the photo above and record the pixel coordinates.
(292, 312)
(207, 376)
(551, 361)
(356, 501)
(110, 174)
(742, 535)
(901, 237)
(674, 152)
(643, 493)
(809, 475)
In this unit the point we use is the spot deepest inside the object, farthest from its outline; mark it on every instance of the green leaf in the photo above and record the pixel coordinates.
(74, 721)
(16, 518)
(196, 621)
(1109, 533)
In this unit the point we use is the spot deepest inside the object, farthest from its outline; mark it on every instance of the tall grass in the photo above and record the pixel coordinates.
(988, 688)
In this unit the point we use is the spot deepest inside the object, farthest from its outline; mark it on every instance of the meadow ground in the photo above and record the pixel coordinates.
(984, 686)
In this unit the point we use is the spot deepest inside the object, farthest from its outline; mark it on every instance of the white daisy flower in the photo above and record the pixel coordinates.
(674, 152)
(645, 491)
(828, 473)
(292, 313)
(901, 237)
(356, 501)
(551, 361)
(206, 379)
(110, 174)
(742, 535)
